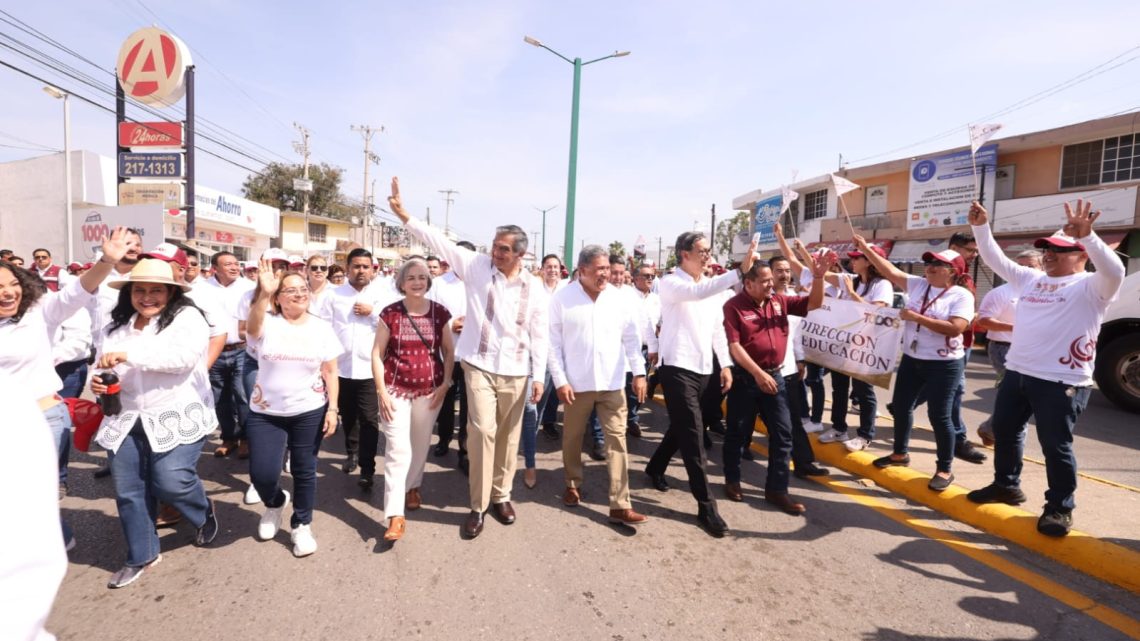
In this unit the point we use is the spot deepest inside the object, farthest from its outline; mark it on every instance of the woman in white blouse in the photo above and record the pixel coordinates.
(289, 406)
(156, 344)
(936, 314)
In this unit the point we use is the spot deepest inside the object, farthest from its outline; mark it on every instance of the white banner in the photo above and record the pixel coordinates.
(857, 339)
(942, 187)
(92, 223)
(1046, 214)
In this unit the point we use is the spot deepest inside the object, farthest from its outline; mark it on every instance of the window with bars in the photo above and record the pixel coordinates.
(1121, 159)
(815, 204)
(318, 232)
(1111, 160)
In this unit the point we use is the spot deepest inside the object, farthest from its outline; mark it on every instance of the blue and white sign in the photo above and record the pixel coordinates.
(150, 165)
(765, 217)
(942, 187)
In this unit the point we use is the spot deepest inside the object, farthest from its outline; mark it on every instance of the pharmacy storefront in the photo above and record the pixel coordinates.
(225, 222)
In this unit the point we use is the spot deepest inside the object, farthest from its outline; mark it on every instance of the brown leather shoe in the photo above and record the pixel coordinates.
(167, 516)
(473, 526)
(225, 449)
(627, 517)
(243, 449)
(733, 493)
(785, 503)
(396, 527)
(571, 498)
(504, 512)
(412, 500)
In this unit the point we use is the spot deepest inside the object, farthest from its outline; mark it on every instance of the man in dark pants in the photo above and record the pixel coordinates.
(691, 329)
(756, 325)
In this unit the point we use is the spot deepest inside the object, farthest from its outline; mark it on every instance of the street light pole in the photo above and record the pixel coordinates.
(572, 177)
(68, 223)
(552, 207)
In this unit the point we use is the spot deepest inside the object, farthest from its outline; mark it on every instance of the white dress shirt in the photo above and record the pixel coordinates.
(505, 329)
(228, 300)
(449, 291)
(25, 346)
(72, 338)
(593, 343)
(692, 321)
(792, 356)
(101, 304)
(999, 304)
(356, 332)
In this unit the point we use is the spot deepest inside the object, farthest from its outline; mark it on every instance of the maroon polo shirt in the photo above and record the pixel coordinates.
(762, 330)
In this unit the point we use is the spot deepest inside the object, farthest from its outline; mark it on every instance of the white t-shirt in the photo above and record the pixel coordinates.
(939, 304)
(880, 291)
(999, 304)
(829, 290)
(289, 365)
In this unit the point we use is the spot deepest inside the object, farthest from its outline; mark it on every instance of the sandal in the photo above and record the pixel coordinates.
(396, 527)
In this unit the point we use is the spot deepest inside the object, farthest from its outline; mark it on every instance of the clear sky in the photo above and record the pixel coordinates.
(717, 98)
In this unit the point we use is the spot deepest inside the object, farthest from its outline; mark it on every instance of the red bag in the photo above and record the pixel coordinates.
(86, 417)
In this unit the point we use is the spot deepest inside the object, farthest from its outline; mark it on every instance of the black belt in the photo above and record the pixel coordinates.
(1000, 342)
(232, 346)
(770, 371)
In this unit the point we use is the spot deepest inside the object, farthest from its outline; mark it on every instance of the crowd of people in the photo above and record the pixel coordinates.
(281, 354)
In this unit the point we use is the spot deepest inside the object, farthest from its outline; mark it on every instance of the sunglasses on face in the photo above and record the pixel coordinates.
(40, 256)
(318, 268)
(1062, 250)
(936, 263)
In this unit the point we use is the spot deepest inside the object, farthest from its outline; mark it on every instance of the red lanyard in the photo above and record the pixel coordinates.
(926, 305)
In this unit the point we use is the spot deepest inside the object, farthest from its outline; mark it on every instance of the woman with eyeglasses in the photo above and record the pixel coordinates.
(290, 403)
(336, 275)
(937, 313)
(411, 366)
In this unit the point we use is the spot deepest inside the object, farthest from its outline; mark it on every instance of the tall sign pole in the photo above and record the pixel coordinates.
(191, 232)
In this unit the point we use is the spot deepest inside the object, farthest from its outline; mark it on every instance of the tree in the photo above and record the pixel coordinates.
(726, 230)
(274, 187)
(616, 248)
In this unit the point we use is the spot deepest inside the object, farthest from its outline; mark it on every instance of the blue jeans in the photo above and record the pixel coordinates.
(814, 382)
(745, 401)
(939, 380)
(997, 351)
(74, 376)
(59, 421)
(143, 478)
(249, 369)
(1049, 402)
(956, 408)
(549, 405)
(841, 386)
(268, 438)
(531, 412)
(231, 400)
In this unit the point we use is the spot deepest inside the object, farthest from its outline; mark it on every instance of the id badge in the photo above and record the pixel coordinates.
(914, 346)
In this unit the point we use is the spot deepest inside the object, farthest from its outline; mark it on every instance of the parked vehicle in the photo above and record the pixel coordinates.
(1118, 348)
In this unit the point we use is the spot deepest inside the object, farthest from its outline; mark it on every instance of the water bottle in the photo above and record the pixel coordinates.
(109, 401)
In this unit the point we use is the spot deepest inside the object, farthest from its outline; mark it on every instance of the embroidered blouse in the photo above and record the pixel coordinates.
(413, 366)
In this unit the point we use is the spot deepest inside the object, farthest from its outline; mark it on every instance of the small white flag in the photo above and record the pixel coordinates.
(979, 134)
(842, 185)
(788, 196)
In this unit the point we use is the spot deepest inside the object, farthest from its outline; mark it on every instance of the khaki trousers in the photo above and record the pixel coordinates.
(612, 415)
(494, 421)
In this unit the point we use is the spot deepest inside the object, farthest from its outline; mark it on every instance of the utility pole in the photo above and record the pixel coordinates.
(447, 193)
(366, 132)
(538, 258)
(302, 148)
(429, 215)
(712, 230)
(659, 252)
(544, 224)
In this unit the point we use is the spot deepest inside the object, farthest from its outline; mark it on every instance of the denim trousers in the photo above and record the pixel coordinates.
(231, 399)
(531, 413)
(745, 401)
(59, 420)
(939, 380)
(143, 478)
(1055, 406)
(74, 377)
(269, 436)
(956, 406)
(996, 352)
(814, 383)
(843, 386)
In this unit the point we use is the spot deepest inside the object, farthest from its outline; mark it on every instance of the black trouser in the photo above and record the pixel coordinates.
(802, 454)
(359, 418)
(682, 390)
(711, 398)
(445, 422)
(745, 401)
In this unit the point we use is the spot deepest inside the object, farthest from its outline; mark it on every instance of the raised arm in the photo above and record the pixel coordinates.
(459, 258)
(991, 253)
(818, 269)
(786, 249)
(1109, 270)
(675, 290)
(269, 283)
(893, 274)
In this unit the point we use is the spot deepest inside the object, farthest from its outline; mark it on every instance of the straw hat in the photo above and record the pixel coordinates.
(150, 270)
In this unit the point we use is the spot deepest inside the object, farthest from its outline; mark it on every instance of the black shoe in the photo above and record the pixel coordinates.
(746, 454)
(209, 530)
(1054, 522)
(633, 430)
(717, 428)
(811, 469)
(350, 465)
(891, 409)
(657, 481)
(598, 452)
(887, 461)
(464, 464)
(710, 520)
(365, 482)
(966, 451)
(940, 483)
(994, 493)
(103, 472)
(440, 449)
(708, 441)
(550, 430)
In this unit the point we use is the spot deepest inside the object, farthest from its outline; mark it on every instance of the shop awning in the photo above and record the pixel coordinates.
(199, 248)
(911, 251)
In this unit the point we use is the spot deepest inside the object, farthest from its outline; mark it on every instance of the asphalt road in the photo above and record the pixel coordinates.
(844, 571)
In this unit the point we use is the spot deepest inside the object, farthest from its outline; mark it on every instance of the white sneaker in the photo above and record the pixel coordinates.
(811, 427)
(856, 444)
(251, 496)
(271, 520)
(833, 436)
(303, 542)
(288, 464)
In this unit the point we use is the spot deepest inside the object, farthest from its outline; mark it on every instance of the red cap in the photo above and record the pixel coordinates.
(273, 255)
(1058, 240)
(949, 256)
(169, 253)
(875, 248)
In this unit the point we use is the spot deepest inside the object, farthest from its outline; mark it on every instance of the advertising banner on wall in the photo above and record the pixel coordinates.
(92, 223)
(857, 339)
(942, 187)
(1117, 207)
(764, 219)
(211, 204)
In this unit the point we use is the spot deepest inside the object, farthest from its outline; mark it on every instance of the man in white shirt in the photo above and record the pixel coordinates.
(995, 315)
(1049, 367)
(354, 309)
(504, 341)
(692, 329)
(450, 292)
(231, 399)
(594, 340)
(645, 283)
(646, 336)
